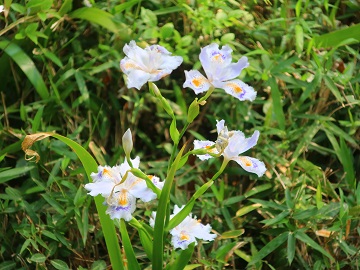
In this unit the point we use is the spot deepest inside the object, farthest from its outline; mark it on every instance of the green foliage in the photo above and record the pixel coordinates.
(59, 68)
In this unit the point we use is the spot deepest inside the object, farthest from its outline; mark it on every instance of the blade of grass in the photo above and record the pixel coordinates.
(269, 247)
(335, 38)
(96, 16)
(27, 66)
(277, 106)
(306, 239)
(291, 247)
(305, 141)
(10, 174)
(184, 257)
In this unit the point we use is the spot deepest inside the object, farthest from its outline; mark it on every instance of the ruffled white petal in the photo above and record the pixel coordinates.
(234, 145)
(157, 75)
(238, 89)
(215, 60)
(156, 181)
(103, 181)
(203, 232)
(231, 71)
(248, 143)
(250, 164)
(196, 81)
(140, 190)
(220, 125)
(205, 145)
(137, 78)
(170, 62)
(124, 167)
(152, 219)
(104, 188)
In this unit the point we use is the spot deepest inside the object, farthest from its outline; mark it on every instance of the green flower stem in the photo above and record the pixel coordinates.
(146, 236)
(222, 168)
(149, 184)
(130, 254)
(161, 215)
(176, 145)
(207, 95)
(179, 217)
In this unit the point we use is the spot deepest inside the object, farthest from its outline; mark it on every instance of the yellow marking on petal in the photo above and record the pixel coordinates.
(197, 81)
(150, 177)
(217, 57)
(236, 88)
(107, 172)
(247, 162)
(184, 237)
(136, 182)
(123, 197)
(128, 65)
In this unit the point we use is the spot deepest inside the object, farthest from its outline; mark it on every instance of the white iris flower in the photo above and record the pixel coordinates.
(220, 72)
(121, 196)
(230, 144)
(147, 65)
(187, 231)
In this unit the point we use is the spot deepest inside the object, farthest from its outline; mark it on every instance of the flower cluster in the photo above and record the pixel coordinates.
(121, 188)
(187, 231)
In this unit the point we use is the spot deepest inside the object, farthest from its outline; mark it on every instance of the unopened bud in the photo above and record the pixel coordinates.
(127, 142)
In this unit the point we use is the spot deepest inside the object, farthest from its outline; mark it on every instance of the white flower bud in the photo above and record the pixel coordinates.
(127, 142)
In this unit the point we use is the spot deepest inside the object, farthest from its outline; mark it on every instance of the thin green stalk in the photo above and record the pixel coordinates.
(158, 244)
(129, 251)
(207, 95)
(183, 213)
(176, 145)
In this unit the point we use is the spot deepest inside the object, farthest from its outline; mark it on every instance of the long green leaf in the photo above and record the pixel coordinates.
(269, 247)
(14, 173)
(179, 217)
(306, 239)
(96, 16)
(184, 257)
(305, 141)
(27, 66)
(163, 207)
(277, 104)
(291, 247)
(335, 38)
(145, 236)
(90, 166)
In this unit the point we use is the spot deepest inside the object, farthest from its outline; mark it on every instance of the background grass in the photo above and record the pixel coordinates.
(59, 71)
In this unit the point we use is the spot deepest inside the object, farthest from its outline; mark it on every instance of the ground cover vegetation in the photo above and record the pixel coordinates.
(59, 72)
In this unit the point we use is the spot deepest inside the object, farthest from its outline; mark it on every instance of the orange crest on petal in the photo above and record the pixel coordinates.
(247, 162)
(236, 88)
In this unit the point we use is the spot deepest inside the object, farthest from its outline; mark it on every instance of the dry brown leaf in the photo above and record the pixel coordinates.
(29, 141)
(323, 233)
